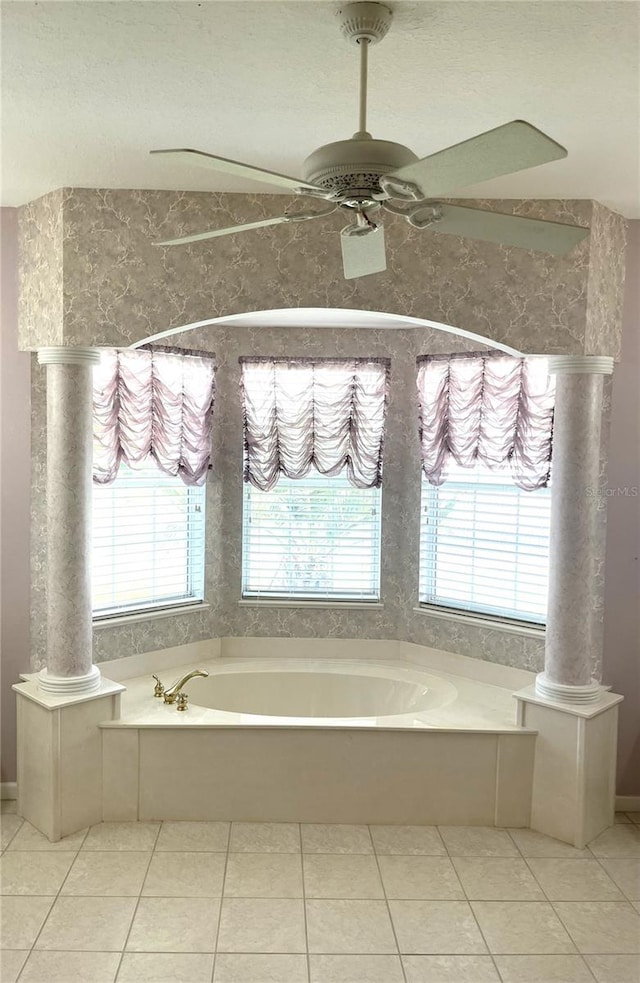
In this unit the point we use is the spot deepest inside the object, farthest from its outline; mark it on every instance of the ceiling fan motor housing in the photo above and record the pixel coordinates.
(352, 169)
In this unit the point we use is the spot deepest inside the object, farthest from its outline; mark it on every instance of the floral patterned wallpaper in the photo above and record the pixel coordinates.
(40, 272)
(118, 288)
(603, 331)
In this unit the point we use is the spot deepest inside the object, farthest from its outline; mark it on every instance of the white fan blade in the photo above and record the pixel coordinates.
(238, 169)
(363, 254)
(228, 231)
(509, 148)
(508, 230)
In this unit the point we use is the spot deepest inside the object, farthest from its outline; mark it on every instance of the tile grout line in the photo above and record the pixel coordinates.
(549, 901)
(574, 900)
(473, 914)
(222, 886)
(55, 898)
(304, 906)
(623, 893)
(388, 907)
(588, 967)
(568, 931)
(137, 904)
(591, 856)
(15, 832)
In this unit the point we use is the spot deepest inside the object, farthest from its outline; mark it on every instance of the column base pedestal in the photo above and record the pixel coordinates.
(574, 773)
(60, 754)
(69, 685)
(565, 693)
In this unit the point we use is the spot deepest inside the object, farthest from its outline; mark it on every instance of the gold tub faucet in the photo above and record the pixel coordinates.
(171, 694)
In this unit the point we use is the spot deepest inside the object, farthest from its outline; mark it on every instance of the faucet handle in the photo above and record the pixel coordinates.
(158, 689)
(182, 700)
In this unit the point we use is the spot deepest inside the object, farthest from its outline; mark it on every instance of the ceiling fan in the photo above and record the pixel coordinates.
(363, 176)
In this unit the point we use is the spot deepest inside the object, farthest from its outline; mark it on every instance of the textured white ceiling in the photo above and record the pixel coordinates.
(88, 88)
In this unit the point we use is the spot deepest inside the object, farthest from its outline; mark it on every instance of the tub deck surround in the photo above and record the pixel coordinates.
(415, 743)
(306, 774)
(425, 731)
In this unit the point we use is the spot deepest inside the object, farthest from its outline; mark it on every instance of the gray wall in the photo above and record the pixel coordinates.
(621, 663)
(15, 470)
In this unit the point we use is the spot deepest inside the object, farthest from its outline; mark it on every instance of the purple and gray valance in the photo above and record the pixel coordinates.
(307, 412)
(486, 407)
(153, 403)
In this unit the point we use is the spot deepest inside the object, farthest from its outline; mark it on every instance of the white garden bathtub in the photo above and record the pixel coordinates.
(318, 739)
(319, 689)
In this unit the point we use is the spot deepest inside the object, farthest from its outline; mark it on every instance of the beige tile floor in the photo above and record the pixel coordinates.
(283, 903)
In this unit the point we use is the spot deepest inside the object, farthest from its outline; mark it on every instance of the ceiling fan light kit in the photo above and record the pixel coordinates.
(363, 175)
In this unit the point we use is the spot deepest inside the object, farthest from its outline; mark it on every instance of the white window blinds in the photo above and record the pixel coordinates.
(484, 545)
(311, 538)
(148, 542)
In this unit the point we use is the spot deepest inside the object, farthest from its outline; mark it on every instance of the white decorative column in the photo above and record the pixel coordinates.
(60, 709)
(70, 668)
(573, 635)
(575, 718)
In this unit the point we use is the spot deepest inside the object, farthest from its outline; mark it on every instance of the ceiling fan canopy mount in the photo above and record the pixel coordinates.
(361, 175)
(364, 21)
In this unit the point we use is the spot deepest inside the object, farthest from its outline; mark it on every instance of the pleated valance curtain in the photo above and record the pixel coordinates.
(154, 403)
(487, 407)
(322, 413)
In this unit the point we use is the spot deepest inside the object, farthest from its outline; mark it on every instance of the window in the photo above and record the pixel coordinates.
(484, 545)
(148, 542)
(311, 538)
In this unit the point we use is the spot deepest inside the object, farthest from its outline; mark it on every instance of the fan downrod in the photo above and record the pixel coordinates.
(350, 170)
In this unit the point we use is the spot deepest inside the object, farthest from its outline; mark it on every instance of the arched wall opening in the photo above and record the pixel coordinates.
(328, 317)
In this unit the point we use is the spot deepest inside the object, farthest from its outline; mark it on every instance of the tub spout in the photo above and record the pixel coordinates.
(171, 693)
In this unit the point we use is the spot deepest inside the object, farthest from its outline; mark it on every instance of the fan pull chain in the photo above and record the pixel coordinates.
(363, 44)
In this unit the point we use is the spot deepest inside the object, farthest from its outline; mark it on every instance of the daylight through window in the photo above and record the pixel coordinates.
(312, 538)
(148, 542)
(484, 545)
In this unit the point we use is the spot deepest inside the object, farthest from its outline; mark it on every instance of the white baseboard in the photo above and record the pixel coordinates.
(8, 790)
(627, 803)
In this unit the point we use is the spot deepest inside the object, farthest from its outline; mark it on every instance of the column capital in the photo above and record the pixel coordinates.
(580, 364)
(68, 355)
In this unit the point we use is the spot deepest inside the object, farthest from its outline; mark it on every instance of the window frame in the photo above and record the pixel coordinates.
(439, 607)
(195, 571)
(310, 599)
